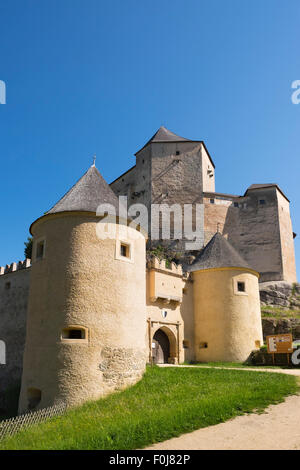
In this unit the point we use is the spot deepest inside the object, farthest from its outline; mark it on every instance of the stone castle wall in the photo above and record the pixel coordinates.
(261, 232)
(14, 290)
(182, 173)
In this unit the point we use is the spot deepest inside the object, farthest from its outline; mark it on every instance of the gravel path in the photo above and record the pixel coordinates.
(277, 428)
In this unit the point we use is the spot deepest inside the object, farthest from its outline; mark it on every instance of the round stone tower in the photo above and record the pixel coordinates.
(227, 312)
(86, 323)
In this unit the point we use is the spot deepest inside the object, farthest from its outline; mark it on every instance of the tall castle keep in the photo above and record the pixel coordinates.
(88, 312)
(171, 169)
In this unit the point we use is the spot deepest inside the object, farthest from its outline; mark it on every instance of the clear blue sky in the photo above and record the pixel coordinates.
(88, 76)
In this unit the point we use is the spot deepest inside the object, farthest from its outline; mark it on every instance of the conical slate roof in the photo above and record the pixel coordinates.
(218, 253)
(86, 195)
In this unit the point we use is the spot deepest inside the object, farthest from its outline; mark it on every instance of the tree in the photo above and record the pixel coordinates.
(28, 248)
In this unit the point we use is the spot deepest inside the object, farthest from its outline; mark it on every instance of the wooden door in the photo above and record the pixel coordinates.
(160, 348)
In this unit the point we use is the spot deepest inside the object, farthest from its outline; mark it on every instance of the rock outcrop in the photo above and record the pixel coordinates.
(276, 326)
(280, 293)
(280, 303)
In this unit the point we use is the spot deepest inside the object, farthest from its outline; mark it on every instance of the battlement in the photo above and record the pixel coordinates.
(163, 265)
(9, 268)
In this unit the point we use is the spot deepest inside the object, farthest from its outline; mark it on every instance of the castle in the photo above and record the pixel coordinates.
(88, 312)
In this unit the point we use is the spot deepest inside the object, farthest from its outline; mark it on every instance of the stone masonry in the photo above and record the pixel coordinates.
(170, 169)
(14, 290)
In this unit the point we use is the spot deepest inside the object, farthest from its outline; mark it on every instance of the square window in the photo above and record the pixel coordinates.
(185, 344)
(124, 250)
(262, 201)
(177, 152)
(212, 201)
(236, 204)
(241, 287)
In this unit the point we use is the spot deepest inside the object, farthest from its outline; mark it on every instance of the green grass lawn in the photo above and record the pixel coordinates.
(269, 311)
(165, 403)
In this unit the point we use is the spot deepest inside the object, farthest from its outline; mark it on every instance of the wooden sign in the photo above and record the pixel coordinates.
(280, 344)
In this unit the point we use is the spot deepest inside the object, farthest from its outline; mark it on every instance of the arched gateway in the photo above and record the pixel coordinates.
(160, 347)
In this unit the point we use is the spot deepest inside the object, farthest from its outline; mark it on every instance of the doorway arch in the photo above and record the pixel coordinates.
(160, 347)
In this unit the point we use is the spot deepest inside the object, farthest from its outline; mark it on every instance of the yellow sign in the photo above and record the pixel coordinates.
(280, 344)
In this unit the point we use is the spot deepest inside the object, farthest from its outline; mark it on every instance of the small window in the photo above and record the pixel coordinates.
(7, 285)
(203, 346)
(177, 152)
(212, 201)
(236, 204)
(164, 313)
(185, 344)
(262, 201)
(241, 287)
(73, 333)
(124, 250)
(40, 249)
(34, 396)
